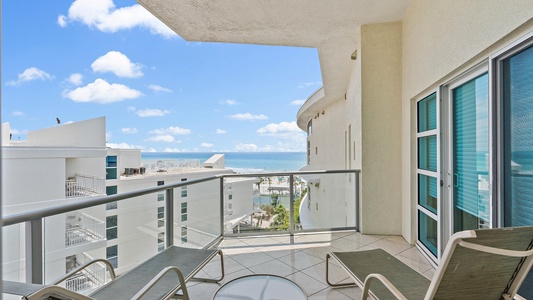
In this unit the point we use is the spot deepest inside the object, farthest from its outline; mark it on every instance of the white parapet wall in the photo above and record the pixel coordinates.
(215, 162)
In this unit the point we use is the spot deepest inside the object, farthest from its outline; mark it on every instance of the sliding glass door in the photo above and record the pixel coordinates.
(469, 153)
(516, 97)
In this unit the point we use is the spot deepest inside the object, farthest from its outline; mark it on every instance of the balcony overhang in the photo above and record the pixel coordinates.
(329, 26)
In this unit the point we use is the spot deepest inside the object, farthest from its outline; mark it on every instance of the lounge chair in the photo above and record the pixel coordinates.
(476, 264)
(160, 277)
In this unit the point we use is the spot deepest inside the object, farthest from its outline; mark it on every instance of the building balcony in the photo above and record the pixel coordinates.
(81, 228)
(84, 185)
(264, 234)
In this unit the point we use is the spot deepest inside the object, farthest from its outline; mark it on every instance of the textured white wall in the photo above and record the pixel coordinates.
(381, 128)
(440, 40)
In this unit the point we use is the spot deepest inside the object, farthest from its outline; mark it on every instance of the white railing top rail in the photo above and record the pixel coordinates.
(99, 200)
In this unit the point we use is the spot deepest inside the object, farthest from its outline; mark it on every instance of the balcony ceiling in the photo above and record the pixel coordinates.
(330, 26)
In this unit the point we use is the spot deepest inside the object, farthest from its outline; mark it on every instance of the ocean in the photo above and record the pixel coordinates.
(240, 162)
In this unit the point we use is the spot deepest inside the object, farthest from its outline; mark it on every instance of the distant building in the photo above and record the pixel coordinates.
(69, 163)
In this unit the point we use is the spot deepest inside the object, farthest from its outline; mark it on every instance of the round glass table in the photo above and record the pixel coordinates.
(260, 287)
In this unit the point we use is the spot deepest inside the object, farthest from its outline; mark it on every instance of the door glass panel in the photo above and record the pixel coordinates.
(427, 153)
(518, 146)
(427, 113)
(427, 232)
(427, 192)
(470, 154)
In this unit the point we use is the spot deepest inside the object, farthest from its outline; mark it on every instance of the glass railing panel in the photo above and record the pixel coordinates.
(13, 256)
(197, 214)
(125, 236)
(325, 201)
(256, 204)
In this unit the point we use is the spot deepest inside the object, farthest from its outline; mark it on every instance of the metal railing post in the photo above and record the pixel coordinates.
(221, 206)
(291, 204)
(34, 251)
(169, 217)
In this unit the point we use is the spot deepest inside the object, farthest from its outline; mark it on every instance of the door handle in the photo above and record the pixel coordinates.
(455, 180)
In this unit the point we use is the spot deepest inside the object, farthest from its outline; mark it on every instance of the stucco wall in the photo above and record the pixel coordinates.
(440, 39)
(381, 128)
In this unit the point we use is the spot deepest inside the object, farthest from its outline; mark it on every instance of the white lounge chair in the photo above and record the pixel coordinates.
(160, 277)
(476, 264)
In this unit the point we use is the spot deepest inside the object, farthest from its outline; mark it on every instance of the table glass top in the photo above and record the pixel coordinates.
(260, 287)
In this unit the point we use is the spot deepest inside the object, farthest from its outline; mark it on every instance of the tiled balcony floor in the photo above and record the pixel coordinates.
(302, 260)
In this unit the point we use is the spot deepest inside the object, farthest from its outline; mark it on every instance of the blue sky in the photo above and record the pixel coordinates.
(76, 60)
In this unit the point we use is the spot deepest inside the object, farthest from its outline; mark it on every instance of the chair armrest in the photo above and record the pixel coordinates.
(386, 283)
(82, 267)
(158, 277)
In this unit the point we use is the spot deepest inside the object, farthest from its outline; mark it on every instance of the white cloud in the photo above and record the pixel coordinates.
(220, 131)
(149, 150)
(207, 145)
(100, 91)
(123, 146)
(75, 79)
(31, 74)
(62, 21)
(162, 138)
(128, 130)
(16, 131)
(281, 128)
(246, 147)
(297, 102)
(117, 63)
(158, 88)
(18, 113)
(230, 102)
(172, 150)
(152, 112)
(248, 116)
(174, 130)
(103, 15)
(309, 84)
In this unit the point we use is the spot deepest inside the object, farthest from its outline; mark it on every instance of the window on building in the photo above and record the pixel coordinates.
(160, 216)
(112, 255)
(310, 127)
(111, 227)
(111, 190)
(160, 241)
(183, 234)
(183, 189)
(161, 195)
(111, 167)
(184, 211)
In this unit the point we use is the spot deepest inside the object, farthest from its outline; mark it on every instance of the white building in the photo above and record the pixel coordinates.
(69, 163)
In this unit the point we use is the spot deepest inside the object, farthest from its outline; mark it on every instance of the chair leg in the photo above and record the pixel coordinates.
(327, 275)
(214, 280)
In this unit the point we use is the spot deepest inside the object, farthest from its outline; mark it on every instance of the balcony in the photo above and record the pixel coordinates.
(81, 228)
(282, 226)
(84, 185)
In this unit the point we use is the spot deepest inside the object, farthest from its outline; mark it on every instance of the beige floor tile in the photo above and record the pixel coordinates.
(318, 272)
(230, 266)
(352, 292)
(275, 253)
(306, 282)
(203, 291)
(300, 260)
(329, 294)
(235, 275)
(273, 267)
(251, 259)
(394, 248)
